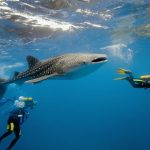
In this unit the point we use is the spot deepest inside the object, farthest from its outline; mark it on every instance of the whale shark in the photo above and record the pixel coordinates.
(67, 66)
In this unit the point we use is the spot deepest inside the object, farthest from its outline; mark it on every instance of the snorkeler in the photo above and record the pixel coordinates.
(141, 82)
(17, 118)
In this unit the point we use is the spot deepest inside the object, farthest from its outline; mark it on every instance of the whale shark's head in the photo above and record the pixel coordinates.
(80, 64)
(92, 59)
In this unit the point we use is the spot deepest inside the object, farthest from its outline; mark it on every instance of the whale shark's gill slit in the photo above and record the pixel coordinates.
(99, 59)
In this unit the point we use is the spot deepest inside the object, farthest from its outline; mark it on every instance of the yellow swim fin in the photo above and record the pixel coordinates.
(124, 78)
(123, 71)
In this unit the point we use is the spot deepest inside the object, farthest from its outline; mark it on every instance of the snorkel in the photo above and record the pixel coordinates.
(28, 101)
(22, 98)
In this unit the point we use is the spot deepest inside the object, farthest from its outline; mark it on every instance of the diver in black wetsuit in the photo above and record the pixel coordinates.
(141, 82)
(17, 118)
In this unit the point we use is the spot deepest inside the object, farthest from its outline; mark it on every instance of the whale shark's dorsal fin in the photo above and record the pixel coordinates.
(32, 61)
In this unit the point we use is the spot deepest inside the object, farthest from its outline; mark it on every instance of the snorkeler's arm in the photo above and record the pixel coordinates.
(24, 116)
(31, 104)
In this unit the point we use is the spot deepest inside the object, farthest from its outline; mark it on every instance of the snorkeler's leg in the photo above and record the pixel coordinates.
(124, 71)
(129, 76)
(136, 83)
(17, 134)
(5, 135)
(13, 142)
(131, 81)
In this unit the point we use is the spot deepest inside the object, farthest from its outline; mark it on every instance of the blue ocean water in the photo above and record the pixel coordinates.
(91, 113)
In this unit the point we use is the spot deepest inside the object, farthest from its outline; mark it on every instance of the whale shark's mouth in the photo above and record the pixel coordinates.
(100, 59)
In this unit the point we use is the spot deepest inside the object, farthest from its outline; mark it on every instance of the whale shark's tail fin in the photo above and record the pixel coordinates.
(3, 87)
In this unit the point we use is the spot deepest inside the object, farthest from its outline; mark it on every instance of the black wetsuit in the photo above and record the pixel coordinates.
(145, 84)
(15, 119)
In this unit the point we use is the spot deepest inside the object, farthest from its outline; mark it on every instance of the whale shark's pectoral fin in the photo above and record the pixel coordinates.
(40, 79)
(32, 61)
